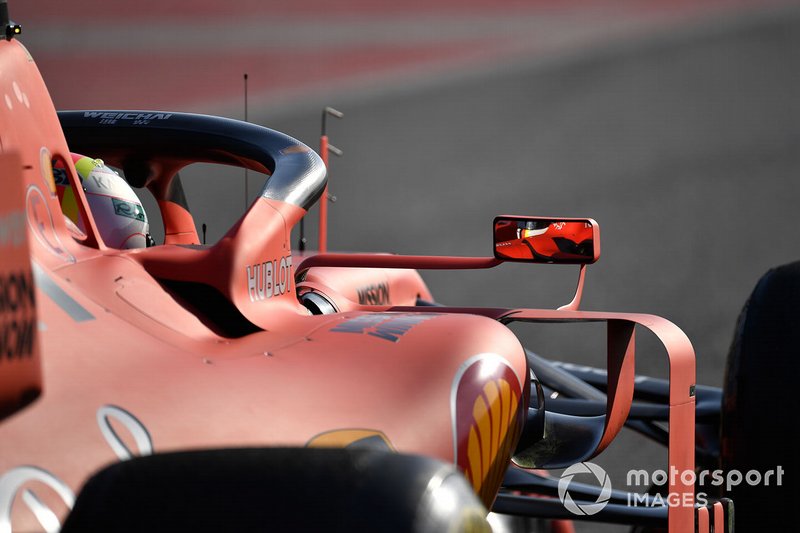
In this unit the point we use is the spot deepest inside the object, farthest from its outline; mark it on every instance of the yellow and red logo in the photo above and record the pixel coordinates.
(352, 438)
(46, 164)
(487, 421)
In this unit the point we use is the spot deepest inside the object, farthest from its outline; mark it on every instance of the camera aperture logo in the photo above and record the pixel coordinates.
(584, 508)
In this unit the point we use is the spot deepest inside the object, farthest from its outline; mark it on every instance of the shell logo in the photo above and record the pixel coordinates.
(488, 418)
(352, 438)
(46, 165)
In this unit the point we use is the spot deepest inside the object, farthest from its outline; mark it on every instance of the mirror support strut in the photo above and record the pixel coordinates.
(576, 300)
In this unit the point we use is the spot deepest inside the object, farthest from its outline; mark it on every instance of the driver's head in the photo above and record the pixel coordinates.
(116, 209)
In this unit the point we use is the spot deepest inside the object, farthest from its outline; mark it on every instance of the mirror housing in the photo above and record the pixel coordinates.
(572, 241)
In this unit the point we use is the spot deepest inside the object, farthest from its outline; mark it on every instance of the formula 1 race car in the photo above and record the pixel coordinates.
(243, 385)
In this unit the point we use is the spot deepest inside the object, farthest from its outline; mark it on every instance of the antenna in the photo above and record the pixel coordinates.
(324, 148)
(10, 28)
(204, 232)
(246, 179)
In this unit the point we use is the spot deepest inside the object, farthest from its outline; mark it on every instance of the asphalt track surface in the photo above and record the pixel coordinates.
(683, 143)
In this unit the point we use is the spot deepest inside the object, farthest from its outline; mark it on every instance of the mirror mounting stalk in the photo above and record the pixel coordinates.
(576, 300)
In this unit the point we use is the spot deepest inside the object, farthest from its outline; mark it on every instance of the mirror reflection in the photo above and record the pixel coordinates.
(546, 240)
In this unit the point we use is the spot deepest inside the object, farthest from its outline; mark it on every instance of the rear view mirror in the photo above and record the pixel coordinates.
(574, 241)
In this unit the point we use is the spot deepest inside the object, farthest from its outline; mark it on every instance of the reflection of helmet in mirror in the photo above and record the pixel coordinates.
(117, 211)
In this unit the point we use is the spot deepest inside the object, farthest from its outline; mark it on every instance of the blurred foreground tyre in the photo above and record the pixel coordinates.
(761, 402)
(290, 489)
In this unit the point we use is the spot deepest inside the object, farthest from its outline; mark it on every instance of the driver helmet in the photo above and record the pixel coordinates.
(117, 211)
(533, 228)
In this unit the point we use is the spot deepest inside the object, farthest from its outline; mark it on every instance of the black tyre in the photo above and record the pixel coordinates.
(761, 402)
(276, 490)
